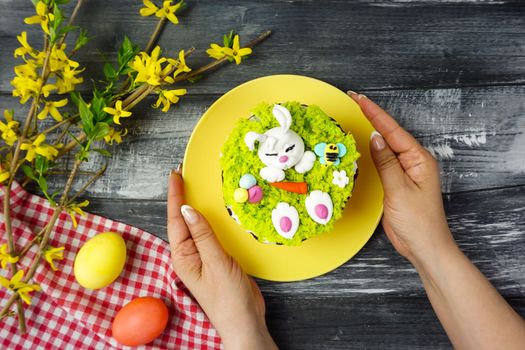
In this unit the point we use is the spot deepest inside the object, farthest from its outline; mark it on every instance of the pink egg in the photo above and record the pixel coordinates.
(255, 194)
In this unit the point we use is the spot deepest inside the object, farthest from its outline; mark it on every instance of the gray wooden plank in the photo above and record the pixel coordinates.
(362, 45)
(488, 226)
(478, 135)
(358, 323)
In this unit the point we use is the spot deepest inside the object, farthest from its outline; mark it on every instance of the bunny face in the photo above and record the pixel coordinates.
(281, 150)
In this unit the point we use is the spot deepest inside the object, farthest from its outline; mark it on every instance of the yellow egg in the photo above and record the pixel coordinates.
(240, 195)
(100, 260)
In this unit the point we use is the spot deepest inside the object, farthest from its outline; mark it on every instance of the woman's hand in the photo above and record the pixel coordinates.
(414, 219)
(231, 300)
(471, 310)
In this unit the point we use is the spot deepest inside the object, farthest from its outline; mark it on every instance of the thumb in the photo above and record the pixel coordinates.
(202, 234)
(388, 166)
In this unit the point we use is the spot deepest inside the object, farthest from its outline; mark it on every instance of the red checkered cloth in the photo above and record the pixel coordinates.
(64, 315)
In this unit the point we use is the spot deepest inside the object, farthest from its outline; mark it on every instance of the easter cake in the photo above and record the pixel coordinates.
(287, 172)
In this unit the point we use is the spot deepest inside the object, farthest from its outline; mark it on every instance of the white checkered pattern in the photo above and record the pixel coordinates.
(64, 315)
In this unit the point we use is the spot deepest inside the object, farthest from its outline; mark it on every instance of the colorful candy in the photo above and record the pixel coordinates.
(255, 194)
(240, 195)
(248, 191)
(247, 181)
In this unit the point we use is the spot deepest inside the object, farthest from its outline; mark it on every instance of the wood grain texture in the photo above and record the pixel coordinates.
(452, 72)
(488, 226)
(359, 45)
(347, 322)
(478, 135)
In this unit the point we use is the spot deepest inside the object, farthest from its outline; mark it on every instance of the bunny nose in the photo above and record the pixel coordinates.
(283, 159)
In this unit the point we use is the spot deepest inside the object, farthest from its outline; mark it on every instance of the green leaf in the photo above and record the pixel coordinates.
(75, 97)
(42, 183)
(109, 71)
(228, 39)
(126, 52)
(66, 29)
(102, 151)
(86, 117)
(99, 131)
(81, 40)
(97, 105)
(41, 165)
(35, 2)
(28, 171)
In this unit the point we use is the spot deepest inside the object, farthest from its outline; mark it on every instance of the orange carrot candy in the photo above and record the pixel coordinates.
(297, 187)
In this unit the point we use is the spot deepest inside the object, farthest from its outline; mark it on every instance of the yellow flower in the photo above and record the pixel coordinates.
(67, 80)
(42, 16)
(216, 51)
(58, 59)
(38, 147)
(51, 107)
(117, 112)
(114, 135)
(4, 175)
(9, 130)
(181, 65)
(5, 257)
(236, 52)
(52, 253)
(167, 97)
(26, 48)
(16, 285)
(74, 208)
(149, 68)
(149, 10)
(27, 84)
(168, 11)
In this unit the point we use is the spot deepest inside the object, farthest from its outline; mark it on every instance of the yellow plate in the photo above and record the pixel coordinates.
(202, 176)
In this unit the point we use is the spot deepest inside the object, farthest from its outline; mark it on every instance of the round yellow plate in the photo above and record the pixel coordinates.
(202, 176)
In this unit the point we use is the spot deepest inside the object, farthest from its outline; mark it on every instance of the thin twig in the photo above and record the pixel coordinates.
(217, 63)
(71, 20)
(30, 243)
(156, 33)
(46, 235)
(90, 181)
(59, 124)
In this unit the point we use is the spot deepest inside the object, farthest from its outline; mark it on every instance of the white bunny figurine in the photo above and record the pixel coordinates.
(280, 148)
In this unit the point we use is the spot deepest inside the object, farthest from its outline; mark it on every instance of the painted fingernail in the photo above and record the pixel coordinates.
(189, 214)
(177, 170)
(377, 141)
(356, 96)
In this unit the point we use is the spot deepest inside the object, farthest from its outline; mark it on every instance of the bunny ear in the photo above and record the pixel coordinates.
(282, 114)
(251, 137)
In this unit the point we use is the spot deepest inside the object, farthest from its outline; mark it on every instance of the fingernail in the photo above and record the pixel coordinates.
(354, 95)
(189, 214)
(177, 170)
(377, 141)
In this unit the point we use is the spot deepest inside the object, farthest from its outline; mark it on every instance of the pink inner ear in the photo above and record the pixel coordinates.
(321, 211)
(286, 224)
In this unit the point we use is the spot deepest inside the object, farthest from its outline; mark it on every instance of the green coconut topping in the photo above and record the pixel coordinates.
(314, 126)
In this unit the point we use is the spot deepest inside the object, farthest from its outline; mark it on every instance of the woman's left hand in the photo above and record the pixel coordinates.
(231, 300)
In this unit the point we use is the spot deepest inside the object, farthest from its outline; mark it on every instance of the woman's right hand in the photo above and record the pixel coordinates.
(414, 219)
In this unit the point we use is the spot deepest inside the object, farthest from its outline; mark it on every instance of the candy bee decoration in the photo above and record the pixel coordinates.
(330, 153)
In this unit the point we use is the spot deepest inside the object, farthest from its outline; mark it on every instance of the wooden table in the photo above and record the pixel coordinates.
(452, 72)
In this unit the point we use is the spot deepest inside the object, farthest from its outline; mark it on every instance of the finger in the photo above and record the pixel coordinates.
(388, 166)
(397, 138)
(207, 244)
(178, 232)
